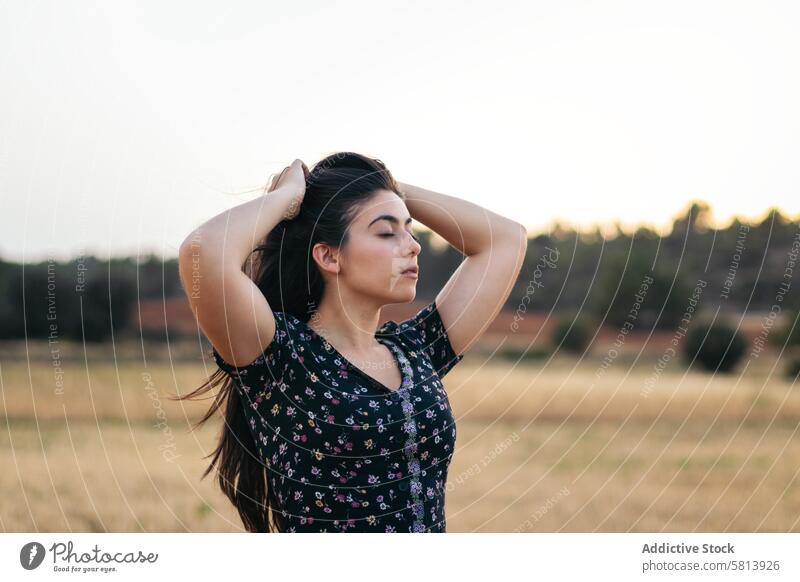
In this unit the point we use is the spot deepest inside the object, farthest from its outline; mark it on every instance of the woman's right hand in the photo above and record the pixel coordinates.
(293, 179)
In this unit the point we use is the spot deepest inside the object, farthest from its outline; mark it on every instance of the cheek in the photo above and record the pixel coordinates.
(370, 261)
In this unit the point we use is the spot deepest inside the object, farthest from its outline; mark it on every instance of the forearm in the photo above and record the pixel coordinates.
(468, 227)
(229, 237)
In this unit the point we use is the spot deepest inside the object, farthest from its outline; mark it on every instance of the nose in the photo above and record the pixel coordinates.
(414, 246)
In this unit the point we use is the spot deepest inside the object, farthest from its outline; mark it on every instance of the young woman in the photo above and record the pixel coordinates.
(332, 423)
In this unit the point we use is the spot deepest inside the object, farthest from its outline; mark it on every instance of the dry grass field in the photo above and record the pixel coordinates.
(544, 446)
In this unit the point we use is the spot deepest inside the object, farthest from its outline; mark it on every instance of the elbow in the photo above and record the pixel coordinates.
(192, 246)
(518, 240)
(522, 231)
(195, 253)
(186, 251)
(190, 256)
(516, 233)
(506, 235)
(189, 246)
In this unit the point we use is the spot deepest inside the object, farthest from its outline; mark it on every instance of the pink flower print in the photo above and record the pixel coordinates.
(330, 418)
(334, 401)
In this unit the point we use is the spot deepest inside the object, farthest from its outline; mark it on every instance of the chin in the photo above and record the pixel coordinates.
(404, 297)
(409, 297)
(400, 291)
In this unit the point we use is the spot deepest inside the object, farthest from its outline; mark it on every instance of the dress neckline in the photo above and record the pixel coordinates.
(379, 335)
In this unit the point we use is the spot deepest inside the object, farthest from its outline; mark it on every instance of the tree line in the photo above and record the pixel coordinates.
(741, 266)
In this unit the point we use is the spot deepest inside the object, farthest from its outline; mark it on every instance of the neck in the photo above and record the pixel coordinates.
(347, 322)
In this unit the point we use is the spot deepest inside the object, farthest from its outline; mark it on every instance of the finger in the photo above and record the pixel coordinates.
(275, 179)
(271, 185)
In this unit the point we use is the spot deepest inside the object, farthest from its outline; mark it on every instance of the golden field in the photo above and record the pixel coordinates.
(542, 446)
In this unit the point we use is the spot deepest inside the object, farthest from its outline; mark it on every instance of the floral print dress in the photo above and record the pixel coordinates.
(344, 452)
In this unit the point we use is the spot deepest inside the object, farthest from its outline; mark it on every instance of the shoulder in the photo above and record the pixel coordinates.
(288, 332)
(426, 333)
(422, 327)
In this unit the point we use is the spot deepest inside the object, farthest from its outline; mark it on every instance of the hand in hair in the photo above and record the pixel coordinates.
(292, 177)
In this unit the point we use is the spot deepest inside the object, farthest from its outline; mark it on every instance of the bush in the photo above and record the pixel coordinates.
(793, 369)
(521, 354)
(787, 334)
(716, 347)
(572, 333)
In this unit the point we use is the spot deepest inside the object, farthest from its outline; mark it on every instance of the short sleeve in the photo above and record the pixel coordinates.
(272, 354)
(426, 330)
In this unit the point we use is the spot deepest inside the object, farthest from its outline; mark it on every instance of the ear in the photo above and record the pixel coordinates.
(326, 257)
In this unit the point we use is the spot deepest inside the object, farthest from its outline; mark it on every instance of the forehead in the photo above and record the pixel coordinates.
(382, 203)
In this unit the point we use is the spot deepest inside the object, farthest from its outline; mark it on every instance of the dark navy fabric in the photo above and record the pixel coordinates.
(345, 453)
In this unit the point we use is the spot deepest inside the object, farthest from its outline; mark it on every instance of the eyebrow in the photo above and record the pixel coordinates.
(388, 217)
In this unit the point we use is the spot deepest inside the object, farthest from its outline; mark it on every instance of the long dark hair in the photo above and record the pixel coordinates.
(284, 271)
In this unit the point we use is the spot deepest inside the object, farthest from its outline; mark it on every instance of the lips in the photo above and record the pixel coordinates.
(410, 270)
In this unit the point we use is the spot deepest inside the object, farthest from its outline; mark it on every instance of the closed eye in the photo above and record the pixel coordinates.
(392, 234)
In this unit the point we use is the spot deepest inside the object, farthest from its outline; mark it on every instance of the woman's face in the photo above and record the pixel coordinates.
(380, 247)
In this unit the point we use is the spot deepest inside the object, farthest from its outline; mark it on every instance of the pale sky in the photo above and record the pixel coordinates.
(124, 125)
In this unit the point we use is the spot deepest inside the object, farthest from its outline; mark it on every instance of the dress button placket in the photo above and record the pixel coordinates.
(410, 449)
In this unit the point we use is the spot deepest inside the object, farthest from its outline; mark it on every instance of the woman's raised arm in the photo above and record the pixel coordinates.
(230, 309)
(494, 247)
